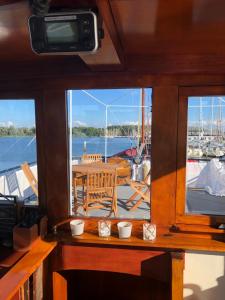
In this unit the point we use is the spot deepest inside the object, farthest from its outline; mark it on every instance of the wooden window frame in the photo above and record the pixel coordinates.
(181, 216)
(36, 96)
(95, 218)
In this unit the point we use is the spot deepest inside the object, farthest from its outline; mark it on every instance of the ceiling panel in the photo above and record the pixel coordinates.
(171, 26)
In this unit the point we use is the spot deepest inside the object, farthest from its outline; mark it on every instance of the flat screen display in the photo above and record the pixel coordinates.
(62, 32)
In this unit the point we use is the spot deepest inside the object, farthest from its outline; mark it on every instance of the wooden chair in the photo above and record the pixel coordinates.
(100, 191)
(30, 177)
(90, 158)
(123, 170)
(142, 192)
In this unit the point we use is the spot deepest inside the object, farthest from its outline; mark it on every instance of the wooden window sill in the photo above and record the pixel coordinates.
(166, 241)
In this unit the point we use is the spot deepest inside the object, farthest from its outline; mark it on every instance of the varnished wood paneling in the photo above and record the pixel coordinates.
(21, 271)
(112, 260)
(106, 13)
(162, 37)
(173, 26)
(164, 147)
(59, 287)
(55, 129)
(177, 275)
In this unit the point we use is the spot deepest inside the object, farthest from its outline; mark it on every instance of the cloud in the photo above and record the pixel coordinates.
(6, 124)
(79, 124)
(10, 123)
(130, 123)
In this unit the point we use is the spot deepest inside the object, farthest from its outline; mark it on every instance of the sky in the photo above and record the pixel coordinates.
(213, 109)
(18, 113)
(89, 109)
(89, 106)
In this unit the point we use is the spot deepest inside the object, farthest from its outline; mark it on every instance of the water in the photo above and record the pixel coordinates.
(16, 150)
(97, 145)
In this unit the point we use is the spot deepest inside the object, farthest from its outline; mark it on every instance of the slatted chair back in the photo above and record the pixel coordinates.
(30, 177)
(90, 158)
(100, 188)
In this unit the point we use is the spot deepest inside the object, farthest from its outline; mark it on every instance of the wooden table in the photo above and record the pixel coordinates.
(82, 169)
(96, 166)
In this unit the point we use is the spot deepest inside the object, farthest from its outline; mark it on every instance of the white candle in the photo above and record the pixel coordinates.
(77, 227)
(124, 229)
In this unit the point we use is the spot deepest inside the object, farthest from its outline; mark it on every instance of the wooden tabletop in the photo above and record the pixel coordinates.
(96, 166)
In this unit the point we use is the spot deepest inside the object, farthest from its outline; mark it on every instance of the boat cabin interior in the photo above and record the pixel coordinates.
(125, 219)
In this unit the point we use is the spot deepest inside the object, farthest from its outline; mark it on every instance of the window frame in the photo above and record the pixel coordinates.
(36, 97)
(67, 95)
(181, 216)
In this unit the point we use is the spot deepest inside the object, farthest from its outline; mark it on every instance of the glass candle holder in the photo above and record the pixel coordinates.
(104, 228)
(149, 232)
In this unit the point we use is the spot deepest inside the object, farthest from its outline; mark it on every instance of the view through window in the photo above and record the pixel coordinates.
(205, 172)
(110, 150)
(18, 159)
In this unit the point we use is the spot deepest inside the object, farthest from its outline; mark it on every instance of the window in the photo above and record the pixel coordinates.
(18, 158)
(201, 153)
(110, 133)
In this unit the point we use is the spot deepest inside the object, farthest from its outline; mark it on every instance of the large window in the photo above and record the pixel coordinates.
(18, 159)
(201, 156)
(110, 151)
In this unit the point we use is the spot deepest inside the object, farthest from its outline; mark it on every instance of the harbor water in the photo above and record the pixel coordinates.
(16, 150)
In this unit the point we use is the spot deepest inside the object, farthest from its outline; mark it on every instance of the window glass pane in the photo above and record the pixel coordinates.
(17, 148)
(205, 172)
(110, 132)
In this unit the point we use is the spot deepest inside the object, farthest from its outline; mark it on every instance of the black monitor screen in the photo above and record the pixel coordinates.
(62, 32)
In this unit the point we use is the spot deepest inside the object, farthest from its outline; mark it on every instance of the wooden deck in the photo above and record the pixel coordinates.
(124, 192)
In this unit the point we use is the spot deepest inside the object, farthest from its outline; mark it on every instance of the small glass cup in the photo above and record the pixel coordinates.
(149, 231)
(104, 228)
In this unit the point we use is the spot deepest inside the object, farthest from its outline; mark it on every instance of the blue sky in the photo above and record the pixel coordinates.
(87, 111)
(207, 115)
(18, 113)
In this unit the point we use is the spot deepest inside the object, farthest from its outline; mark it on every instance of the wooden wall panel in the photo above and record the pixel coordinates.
(59, 287)
(177, 264)
(164, 147)
(130, 261)
(56, 154)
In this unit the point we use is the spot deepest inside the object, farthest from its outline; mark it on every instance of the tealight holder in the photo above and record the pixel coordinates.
(77, 227)
(104, 228)
(124, 229)
(149, 231)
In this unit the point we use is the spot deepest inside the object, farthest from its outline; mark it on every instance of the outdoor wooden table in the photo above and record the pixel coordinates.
(96, 166)
(82, 169)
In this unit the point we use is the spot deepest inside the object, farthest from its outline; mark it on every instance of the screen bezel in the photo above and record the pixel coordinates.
(38, 34)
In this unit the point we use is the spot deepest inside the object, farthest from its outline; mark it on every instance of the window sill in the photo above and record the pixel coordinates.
(165, 240)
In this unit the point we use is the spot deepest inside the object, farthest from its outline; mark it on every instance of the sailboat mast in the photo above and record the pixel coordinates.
(143, 115)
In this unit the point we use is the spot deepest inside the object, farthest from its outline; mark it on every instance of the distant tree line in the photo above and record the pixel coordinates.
(87, 131)
(14, 131)
(113, 130)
